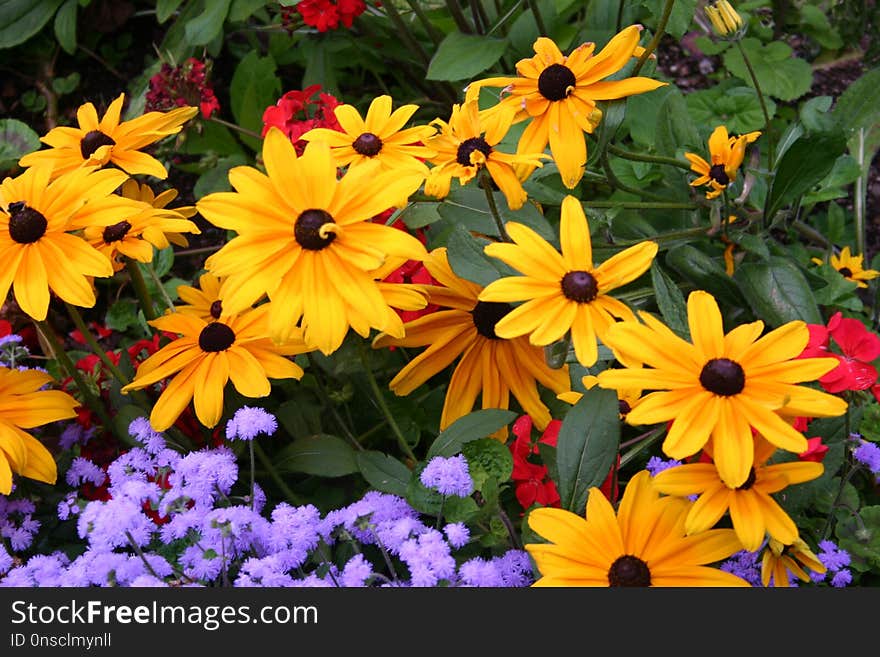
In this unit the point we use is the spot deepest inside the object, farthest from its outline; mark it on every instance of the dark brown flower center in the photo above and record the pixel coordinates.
(718, 174)
(749, 482)
(723, 377)
(307, 230)
(629, 571)
(486, 314)
(623, 407)
(93, 141)
(367, 144)
(216, 309)
(580, 286)
(846, 272)
(116, 232)
(26, 225)
(216, 336)
(468, 146)
(556, 82)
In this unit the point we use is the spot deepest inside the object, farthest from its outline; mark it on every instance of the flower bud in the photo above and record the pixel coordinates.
(724, 18)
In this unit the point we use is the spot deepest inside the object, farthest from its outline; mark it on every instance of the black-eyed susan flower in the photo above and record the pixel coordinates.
(97, 142)
(779, 561)
(379, 136)
(208, 355)
(466, 144)
(488, 366)
(24, 404)
(38, 253)
(563, 292)
(642, 544)
(143, 192)
(202, 301)
(558, 94)
(722, 385)
(726, 154)
(753, 512)
(306, 239)
(850, 267)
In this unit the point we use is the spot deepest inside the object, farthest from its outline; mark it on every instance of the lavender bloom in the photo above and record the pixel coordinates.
(82, 470)
(516, 568)
(16, 523)
(68, 506)
(74, 434)
(833, 557)
(746, 565)
(448, 476)
(141, 430)
(356, 572)
(147, 581)
(841, 578)
(293, 533)
(512, 569)
(114, 523)
(428, 559)
(457, 534)
(868, 454)
(249, 422)
(656, 465)
(5, 560)
(40, 570)
(268, 571)
(201, 477)
(12, 338)
(364, 518)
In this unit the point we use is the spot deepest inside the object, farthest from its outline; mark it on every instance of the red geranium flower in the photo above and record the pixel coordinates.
(815, 451)
(327, 14)
(856, 348)
(297, 112)
(178, 86)
(5, 328)
(532, 485)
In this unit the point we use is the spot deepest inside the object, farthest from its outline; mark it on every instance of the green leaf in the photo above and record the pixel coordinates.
(778, 292)
(241, 10)
(466, 257)
(670, 301)
(121, 315)
(163, 259)
(815, 24)
(383, 472)
(462, 56)
(587, 446)
(216, 179)
(474, 425)
(16, 140)
(202, 29)
(65, 26)
(322, 455)
(859, 106)
(21, 19)
(807, 161)
(254, 87)
(674, 127)
(729, 104)
(165, 9)
(704, 272)
(780, 74)
(613, 113)
(419, 215)
(320, 67)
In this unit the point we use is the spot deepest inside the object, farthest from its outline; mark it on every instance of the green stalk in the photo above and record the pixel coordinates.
(748, 64)
(618, 184)
(486, 180)
(539, 21)
(93, 344)
(652, 46)
(383, 406)
(435, 34)
(461, 21)
(641, 157)
(266, 462)
(404, 33)
(639, 205)
(140, 289)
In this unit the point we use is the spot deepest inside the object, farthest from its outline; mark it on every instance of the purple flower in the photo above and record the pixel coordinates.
(868, 454)
(74, 434)
(428, 558)
(746, 565)
(457, 534)
(833, 557)
(141, 430)
(448, 476)
(82, 470)
(655, 465)
(512, 569)
(841, 578)
(356, 572)
(5, 560)
(114, 523)
(249, 422)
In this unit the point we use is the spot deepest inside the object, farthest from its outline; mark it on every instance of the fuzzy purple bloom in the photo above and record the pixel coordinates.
(746, 565)
(448, 476)
(841, 578)
(249, 422)
(141, 430)
(868, 454)
(656, 465)
(356, 572)
(82, 470)
(457, 534)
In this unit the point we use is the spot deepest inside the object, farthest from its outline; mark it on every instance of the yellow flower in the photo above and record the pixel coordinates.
(23, 405)
(727, 154)
(753, 512)
(306, 239)
(133, 190)
(850, 267)
(466, 144)
(489, 365)
(626, 399)
(202, 301)
(722, 385)
(558, 94)
(563, 292)
(98, 142)
(778, 560)
(724, 18)
(379, 136)
(208, 355)
(38, 253)
(643, 544)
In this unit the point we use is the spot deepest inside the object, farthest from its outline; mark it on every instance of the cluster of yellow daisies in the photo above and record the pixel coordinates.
(307, 263)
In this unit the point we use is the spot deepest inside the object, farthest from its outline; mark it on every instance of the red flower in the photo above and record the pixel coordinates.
(815, 451)
(532, 484)
(857, 346)
(102, 332)
(327, 14)
(178, 86)
(5, 328)
(296, 112)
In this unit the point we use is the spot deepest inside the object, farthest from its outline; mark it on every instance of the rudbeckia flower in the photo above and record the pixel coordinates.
(643, 544)
(722, 385)
(558, 94)
(778, 560)
(466, 144)
(24, 405)
(143, 192)
(206, 356)
(38, 253)
(563, 292)
(727, 154)
(202, 301)
(850, 267)
(306, 239)
(753, 511)
(488, 365)
(380, 136)
(99, 142)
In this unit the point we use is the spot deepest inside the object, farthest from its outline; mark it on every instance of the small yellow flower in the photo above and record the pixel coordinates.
(725, 19)
(133, 190)
(780, 559)
(727, 154)
(850, 267)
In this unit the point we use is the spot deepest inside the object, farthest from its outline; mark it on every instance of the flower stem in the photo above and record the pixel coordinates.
(93, 343)
(383, 406)
(404, 33)
(435, 34)
(458, 16)
(266, 462)
(652, 46)
(641, 157)
(639, 205)
(140, 289)
(253, 474)
(486, 184)
(539, 21)
(233, 126)
(169, 304)
(618, 184)
(748, 64)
